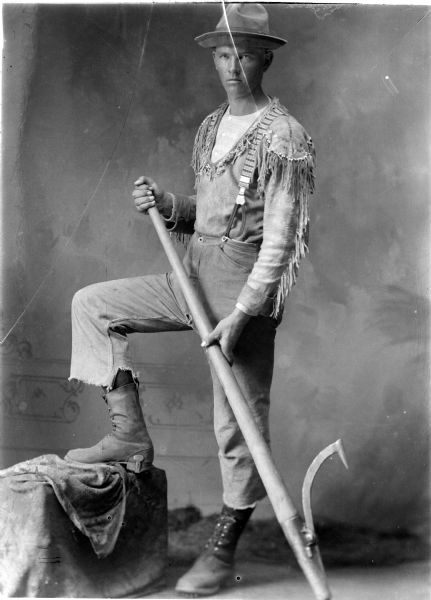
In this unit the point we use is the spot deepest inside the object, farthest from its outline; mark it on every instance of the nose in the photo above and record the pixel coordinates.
(233, 65)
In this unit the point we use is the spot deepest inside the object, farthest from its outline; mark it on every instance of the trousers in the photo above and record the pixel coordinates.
(103, 314)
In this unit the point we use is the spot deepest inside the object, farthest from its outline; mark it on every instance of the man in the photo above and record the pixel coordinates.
(249, 220)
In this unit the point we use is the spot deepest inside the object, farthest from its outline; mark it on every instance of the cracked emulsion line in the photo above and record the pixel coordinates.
(96, 189)
(401, 40)
(236, 51)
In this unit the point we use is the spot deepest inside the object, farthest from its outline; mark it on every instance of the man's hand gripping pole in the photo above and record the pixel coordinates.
(295, 530)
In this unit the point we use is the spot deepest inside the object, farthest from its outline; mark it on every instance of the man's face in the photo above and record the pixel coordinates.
(240, 68)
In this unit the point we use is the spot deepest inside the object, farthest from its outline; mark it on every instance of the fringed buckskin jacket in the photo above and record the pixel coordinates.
(275, 214)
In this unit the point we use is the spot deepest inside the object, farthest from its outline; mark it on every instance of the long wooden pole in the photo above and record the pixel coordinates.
(288, 517)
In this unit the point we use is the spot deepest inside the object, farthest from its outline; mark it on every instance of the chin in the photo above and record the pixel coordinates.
(236, 88)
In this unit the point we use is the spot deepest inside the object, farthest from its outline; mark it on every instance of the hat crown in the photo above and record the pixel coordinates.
(244, 16)
(244, 21)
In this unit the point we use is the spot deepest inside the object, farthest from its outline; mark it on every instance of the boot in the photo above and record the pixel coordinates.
(214, 568)
(129, 436)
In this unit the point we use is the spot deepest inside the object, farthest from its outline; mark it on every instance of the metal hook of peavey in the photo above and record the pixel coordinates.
(308, 529)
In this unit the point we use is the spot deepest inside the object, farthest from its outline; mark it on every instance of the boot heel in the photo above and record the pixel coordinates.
(136, 464)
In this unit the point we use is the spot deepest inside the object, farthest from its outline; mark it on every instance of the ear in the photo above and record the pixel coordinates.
(269, 55)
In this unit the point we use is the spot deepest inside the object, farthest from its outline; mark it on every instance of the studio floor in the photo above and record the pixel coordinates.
(408, 581)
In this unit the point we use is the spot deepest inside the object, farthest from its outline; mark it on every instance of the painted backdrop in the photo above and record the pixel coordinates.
(82, 121)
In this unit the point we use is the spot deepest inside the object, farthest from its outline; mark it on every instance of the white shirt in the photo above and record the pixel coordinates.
(231, 128)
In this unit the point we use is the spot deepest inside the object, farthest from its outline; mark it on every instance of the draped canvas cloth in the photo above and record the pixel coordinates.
(75, 530)
(93, 496)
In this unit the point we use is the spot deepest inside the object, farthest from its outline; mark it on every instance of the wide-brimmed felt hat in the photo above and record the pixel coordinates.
(246, 21)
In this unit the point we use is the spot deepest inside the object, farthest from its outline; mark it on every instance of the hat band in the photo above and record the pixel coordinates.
(217, 37)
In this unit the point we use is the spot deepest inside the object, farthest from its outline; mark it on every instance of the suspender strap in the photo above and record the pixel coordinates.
(250, 163)
(231, 220)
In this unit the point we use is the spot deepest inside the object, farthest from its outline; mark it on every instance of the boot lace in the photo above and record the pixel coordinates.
(113, 423)
(224, 537)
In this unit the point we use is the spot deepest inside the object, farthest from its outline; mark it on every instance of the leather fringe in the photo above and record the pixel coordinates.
(296, 175)
(203, 140)
(202, 148)
(180, 237)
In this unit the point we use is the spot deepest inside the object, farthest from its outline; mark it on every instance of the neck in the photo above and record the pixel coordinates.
(244, 105)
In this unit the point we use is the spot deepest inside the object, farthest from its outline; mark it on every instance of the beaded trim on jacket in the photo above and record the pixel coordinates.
(290, 165)
(204, 143)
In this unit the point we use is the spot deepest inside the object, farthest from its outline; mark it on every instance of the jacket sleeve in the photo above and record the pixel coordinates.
(183, 214)
(285, 165)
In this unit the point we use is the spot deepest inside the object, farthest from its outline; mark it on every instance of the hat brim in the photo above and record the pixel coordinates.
(213, 39)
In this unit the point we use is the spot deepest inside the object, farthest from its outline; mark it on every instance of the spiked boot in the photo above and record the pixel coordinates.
(214, 568)
(129, 437)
